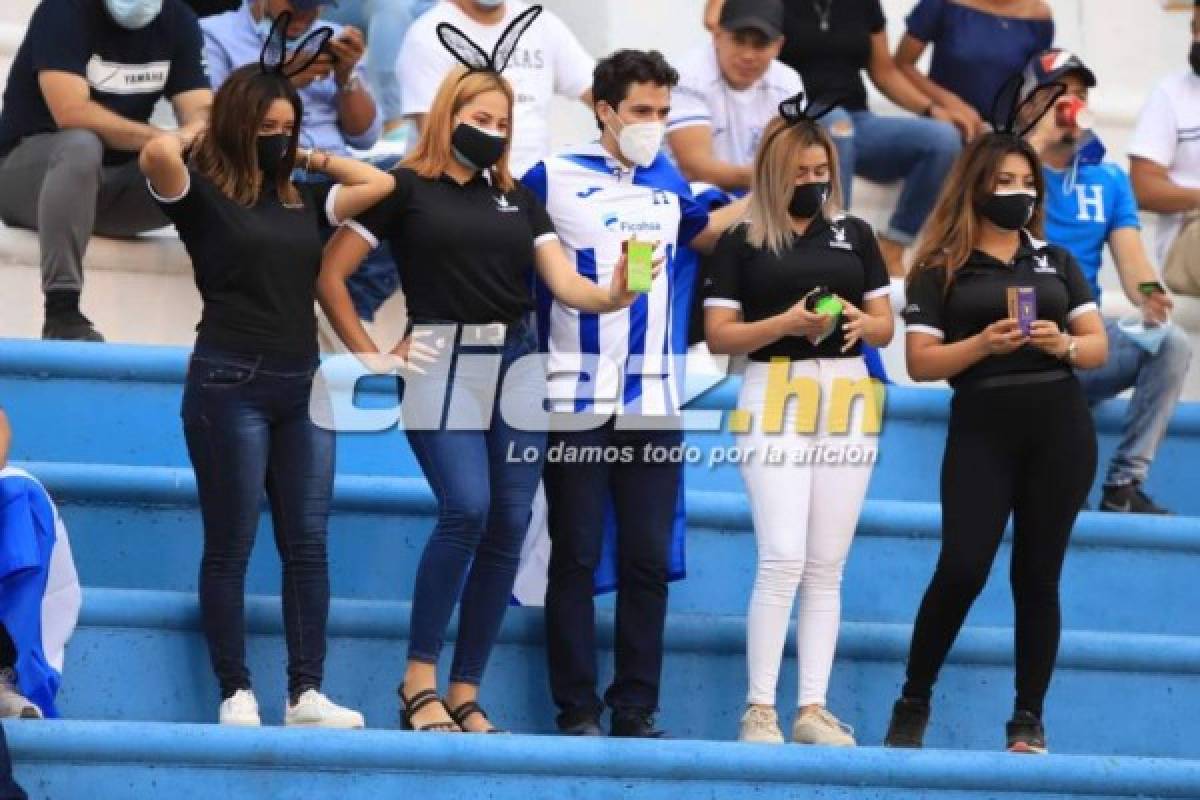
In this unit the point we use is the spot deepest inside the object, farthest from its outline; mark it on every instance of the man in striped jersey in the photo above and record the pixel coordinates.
(619, 375)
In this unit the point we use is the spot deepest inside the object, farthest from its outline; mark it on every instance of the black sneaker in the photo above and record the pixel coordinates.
(579, 723)
(70, 326)
(1129, 499)
(1025, 734)
(635, 724)
(907, 728)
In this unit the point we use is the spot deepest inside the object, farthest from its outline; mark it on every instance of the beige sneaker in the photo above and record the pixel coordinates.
(315, 710)
(818, 726)
(760, 725)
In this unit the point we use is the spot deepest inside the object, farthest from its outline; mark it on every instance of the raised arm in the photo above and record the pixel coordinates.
(360, 186)
(161, 161)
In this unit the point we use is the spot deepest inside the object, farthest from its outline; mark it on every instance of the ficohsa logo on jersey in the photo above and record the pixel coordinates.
(614, 223)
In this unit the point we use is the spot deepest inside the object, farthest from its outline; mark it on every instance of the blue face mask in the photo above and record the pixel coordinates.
(133, 14)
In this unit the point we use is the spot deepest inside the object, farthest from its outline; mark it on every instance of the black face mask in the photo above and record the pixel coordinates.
(1194, 57)
(1008, 211)
(477, 148)
(272, 150)
(807, 199)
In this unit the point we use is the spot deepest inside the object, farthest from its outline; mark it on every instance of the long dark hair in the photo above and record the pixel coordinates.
(227, 153)
(952, 230)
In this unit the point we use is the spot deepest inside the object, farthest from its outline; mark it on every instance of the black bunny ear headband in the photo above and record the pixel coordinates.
(274, 59)
(1009, 106)
(798, 109)
(473, 57)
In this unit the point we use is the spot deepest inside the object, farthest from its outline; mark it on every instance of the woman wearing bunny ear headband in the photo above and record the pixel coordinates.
(1005, 318)
(466, 234)
(254, 244)
(803, 285)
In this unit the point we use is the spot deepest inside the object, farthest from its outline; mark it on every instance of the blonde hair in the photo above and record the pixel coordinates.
(775, 180)
(433, 152)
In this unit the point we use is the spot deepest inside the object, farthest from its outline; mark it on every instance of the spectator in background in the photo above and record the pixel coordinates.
(339, 111)
(729, 91)
(206, 8)
(830, 43)
(1089, 202)
(81, 91)
(549, 60)
(1165, 157)
(976, 44)
(386, 22)
(598, 196)
(12, 702)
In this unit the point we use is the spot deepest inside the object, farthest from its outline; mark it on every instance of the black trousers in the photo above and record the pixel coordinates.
(644, 495)
(1028, 451)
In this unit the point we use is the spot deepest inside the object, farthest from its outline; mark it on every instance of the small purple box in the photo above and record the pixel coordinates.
(1022, 304)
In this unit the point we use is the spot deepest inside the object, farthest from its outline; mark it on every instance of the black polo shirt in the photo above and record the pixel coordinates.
(126, 71)
(978, 296)
(841, 255)
(465, 251)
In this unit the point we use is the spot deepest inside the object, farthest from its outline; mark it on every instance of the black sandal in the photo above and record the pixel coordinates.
(414, 704)
(466, 710)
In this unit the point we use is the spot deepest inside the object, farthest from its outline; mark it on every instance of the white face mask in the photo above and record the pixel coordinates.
(640, 142)
(133, 14)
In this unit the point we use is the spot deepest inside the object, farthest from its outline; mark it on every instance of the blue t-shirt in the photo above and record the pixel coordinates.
(1081, 215)
(127, 71)
(975, 52)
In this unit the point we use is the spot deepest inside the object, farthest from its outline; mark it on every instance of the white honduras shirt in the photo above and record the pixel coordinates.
(737, 118)
(1168, 133)
(549, 60)
(596, 205)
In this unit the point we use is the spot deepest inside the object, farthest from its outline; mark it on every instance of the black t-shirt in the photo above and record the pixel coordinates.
(831, 61)
(128, 71)
(841, 255)
(978, 296)
(256, 268)
(464, 251)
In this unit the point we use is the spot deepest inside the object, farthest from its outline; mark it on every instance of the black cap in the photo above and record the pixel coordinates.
(1054, 65)
(764, 16)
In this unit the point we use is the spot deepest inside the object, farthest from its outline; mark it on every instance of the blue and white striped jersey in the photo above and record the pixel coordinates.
(627, 361)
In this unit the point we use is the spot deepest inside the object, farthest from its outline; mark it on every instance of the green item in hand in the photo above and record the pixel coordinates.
(641, 270)
(829, 305)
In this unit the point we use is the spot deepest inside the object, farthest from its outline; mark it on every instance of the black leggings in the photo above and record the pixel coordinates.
(1028, 450)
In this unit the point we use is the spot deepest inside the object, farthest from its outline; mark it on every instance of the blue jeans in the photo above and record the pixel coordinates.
(1156, 380)
(484, 502)
(247, 424)
(384, 22)
(882, 149)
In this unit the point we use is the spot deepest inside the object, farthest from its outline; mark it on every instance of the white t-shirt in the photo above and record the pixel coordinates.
(737, 118)
(1168, 133)
(549, 60)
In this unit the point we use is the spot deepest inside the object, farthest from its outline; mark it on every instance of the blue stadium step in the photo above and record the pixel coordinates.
(139, 655)
(126, 400)
(123, 518)
(127, 760)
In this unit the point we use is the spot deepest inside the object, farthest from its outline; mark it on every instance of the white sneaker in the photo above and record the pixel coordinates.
(818, 726)
(13, 704)
(760, 725)
(240, 709)
(315, 710)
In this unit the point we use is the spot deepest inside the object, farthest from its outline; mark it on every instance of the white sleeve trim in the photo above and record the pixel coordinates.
(689, 122)
(331, 206)
(545, 237)
(722, 302)
(187, 187)
(882, 291)
(1080, 310)
(928, 330)
(358, 228)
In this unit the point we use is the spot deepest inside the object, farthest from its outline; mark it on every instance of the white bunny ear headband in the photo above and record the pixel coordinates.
(473, 57)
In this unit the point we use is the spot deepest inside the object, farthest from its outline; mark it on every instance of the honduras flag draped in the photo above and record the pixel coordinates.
(39, 588)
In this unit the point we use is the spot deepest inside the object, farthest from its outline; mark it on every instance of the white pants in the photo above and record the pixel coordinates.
(805, 508)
